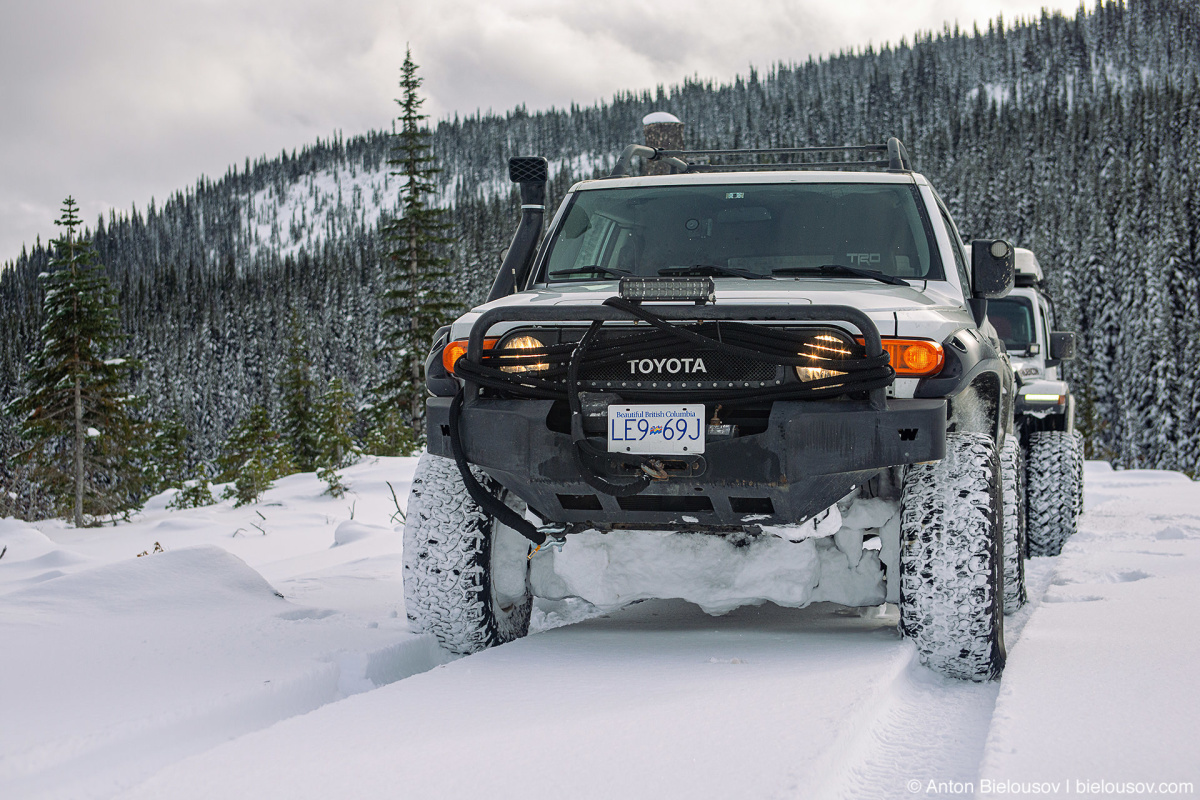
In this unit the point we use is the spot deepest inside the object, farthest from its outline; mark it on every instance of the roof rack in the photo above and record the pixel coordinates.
(897, 159)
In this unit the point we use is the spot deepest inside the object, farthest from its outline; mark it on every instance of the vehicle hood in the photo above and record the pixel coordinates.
(880, 301)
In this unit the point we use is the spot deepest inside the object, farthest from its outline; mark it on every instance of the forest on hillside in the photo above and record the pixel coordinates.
(1078, 137)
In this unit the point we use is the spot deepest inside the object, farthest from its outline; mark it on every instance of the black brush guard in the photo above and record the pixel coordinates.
(812, 453)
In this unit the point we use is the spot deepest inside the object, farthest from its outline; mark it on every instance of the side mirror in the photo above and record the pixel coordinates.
(1062, 346)
(993, 268)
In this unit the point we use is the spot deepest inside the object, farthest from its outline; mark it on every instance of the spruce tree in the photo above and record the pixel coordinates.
(390, 437)
(335, 444)
(419, 298)
(253, 457)
(75, 415)
(167, 450)
(195, 493)
(298, 423)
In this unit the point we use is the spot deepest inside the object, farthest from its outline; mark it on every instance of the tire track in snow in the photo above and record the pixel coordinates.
(928, 727)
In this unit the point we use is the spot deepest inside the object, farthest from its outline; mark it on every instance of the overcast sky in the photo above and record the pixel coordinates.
(119, 101)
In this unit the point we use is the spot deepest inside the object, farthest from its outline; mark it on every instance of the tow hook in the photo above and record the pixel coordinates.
(656, 469)
(554, 538)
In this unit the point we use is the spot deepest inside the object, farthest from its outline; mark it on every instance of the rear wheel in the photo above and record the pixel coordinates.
(1054, 472)
(1012, 480)
(951, 570)
(466, 576)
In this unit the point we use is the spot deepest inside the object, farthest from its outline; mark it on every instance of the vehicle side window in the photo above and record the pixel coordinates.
(956, 244)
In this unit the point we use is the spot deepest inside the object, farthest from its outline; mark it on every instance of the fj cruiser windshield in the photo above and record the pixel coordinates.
(1012, 317)
(745, 230)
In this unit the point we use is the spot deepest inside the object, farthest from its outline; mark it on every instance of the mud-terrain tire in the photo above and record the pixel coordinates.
(1054, 481)
(466, 576)
(1012, 481)
(951, 560)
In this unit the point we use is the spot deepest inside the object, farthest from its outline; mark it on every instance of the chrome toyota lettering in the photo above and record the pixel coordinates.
(674, 366)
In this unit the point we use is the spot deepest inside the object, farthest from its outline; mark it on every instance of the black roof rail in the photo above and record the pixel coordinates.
(896, 160)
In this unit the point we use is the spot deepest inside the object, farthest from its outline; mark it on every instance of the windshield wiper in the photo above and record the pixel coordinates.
(842, 269)
(713, 269)
(565, 273)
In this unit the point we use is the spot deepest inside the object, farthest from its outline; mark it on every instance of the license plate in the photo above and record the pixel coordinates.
(656, 429)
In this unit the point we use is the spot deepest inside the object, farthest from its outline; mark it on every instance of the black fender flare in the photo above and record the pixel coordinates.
(973, 361)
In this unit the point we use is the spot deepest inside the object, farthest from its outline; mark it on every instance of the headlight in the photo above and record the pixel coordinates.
(910, 358)
(821, 351)
(522, 346)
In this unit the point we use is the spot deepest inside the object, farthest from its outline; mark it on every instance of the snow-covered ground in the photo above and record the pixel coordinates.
(183, 674)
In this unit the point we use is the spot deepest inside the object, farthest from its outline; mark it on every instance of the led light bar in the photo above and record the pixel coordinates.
(1045, 398)
(669, 290)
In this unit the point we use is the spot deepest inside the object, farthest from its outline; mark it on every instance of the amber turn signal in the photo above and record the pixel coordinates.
(914, 358)
(452, 352)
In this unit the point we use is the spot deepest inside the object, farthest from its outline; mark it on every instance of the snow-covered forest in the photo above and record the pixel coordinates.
(1077, 137)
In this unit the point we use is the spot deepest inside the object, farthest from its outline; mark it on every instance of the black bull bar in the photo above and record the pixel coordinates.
(812, 453)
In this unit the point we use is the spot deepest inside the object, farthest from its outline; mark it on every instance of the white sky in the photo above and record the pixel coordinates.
(116, 102)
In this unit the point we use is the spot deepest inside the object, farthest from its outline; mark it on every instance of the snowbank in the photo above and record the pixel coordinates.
(1102, 684)
(115, 666)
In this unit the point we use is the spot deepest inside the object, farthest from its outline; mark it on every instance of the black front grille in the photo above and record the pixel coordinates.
(743, 362)
(662, 363)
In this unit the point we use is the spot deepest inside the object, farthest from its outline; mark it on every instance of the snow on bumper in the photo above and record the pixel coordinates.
(717, 573)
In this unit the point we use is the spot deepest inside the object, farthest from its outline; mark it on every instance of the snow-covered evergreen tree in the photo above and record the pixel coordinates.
(195, 493)
(167, 449)
(420, 296)
(390, 436)
(253, 457)
(335, 444)
(298, 418)
(75, 413)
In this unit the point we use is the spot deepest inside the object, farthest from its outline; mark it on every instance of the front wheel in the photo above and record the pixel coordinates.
(466, 576)
(951, 560)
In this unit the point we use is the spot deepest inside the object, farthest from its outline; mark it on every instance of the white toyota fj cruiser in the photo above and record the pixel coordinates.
(735, 383)
(1045, 408)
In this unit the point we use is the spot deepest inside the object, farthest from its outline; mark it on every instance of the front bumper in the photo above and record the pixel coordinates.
(811, 454)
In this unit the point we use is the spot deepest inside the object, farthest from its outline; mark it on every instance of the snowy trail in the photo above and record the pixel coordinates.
(183, 675)
(930, 727)
(658, 700)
